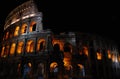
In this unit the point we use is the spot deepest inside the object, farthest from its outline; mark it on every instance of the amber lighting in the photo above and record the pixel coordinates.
(53, 65)
(66, 62)
(58, 42)
(24, 28)
(16, 31)
(12, 49)
(29, 64)
(109, 54)
(41, 46)
(85, 50)
(3, 49)
(20, 47)
(80, 66)
(32, 26)
(67, 56)
(119, 58)
(99, 56)
(114, 58)
(67, 59)
(30, 46)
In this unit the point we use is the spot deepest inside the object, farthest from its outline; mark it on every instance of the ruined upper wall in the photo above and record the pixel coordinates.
(23, 11)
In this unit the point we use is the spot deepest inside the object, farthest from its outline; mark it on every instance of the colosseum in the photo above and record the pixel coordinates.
(28, 51)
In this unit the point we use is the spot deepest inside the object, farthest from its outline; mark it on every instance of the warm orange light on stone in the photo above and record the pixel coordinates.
(99, 56)
(109, 54)
(16, 31)
(32, 26)
(60, 42)
(30, 46)
(85, 50)
(20, 47)
(39, 44)
(12, 50)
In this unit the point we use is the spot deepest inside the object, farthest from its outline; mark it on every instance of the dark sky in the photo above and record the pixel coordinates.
(72, 15)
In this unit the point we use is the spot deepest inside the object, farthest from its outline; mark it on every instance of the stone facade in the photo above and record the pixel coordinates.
(27, 51)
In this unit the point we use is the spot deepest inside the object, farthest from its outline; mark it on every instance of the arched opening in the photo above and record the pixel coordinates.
(20, 47)
(32, 26)
(60, 42)
(16, 32)
(85, 50)
(41, 45)
(67, 59)
(2, 52)
(99, 54)
(81, 70)
(40, 71)
(30, 46)
(24, 28)
(68, 47)
(57, 54)
(53, 70)
(109, 54)
(114, 57)
(27, 71)
(12, 49)
(67, 54)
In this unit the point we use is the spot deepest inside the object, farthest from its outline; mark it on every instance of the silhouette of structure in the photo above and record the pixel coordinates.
(27, 51)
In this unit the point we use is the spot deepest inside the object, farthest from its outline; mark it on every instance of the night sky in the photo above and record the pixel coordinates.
(72, 15)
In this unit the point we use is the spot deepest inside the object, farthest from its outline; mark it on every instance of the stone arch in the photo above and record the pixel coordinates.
(2, 51)
(67, 54)
(32, 26)
(12, 48)
(53, 65)
(27, 70)
(20, 47)
(81, 70)
(41, 45)
(56, 47)
(24, 28)
(85, 50)
(16, 32)
(60, 42)
(67, 47)
(99, 54)
(109, 54)
(30, 46)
